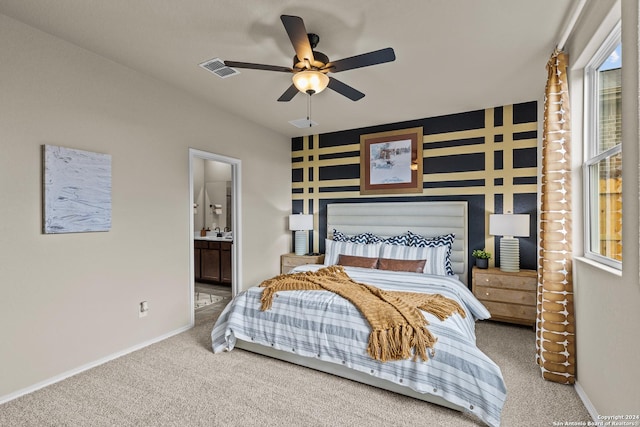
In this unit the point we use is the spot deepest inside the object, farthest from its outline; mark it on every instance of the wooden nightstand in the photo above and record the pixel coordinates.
(289, 261)
(510, 297)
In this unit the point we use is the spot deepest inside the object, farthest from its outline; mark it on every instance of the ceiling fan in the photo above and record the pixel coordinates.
(310, 67)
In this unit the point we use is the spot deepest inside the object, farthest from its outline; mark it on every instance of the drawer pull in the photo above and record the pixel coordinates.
(487, 293)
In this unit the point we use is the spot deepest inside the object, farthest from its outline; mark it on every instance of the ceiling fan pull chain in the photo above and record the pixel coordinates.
(309, 110)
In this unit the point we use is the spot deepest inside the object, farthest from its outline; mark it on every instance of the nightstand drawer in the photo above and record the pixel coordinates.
(507, 281)
(486, 293)
(294, 262)
(509, 297)
(290, 261)
(523, 314)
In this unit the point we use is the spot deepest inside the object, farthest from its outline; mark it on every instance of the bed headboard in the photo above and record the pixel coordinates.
(388, 219)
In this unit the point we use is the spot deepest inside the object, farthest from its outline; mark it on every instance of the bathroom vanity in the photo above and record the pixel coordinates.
(212, 259)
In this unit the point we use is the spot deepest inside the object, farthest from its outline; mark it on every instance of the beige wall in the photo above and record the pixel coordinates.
(69, 300)
(608, 304)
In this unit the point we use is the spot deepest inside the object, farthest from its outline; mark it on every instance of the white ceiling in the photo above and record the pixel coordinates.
(451, 55)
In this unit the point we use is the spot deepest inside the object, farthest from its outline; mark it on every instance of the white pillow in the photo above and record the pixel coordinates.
(333, 249)
(436, 256)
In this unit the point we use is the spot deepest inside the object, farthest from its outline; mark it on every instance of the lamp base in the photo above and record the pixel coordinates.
(300, 240)
(509, 254)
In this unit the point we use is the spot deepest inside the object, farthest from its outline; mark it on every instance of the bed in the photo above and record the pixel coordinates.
(324, 331)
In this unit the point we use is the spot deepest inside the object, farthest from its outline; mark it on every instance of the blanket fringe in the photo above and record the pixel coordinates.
(401, 342)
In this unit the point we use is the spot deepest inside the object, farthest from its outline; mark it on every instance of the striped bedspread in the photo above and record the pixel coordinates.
(322, 325)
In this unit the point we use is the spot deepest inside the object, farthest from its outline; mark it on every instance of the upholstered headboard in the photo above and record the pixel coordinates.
(388, 219)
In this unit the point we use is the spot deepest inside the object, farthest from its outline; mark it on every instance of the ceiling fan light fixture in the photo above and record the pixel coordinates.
(310, 81)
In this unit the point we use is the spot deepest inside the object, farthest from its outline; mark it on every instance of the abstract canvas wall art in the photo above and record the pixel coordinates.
(76, 190)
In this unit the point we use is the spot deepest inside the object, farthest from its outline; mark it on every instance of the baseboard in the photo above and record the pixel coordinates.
(75, 371)
(587, 403)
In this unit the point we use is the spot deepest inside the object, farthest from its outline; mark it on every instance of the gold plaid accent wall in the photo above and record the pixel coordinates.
(486, 157)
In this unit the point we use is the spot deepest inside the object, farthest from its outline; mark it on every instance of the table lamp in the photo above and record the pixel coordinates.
(300, 224)
(510, 227)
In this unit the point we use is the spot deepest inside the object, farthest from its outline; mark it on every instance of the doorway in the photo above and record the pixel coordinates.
(204, 209)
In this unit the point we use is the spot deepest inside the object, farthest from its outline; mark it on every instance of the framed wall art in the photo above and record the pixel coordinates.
(76, 190)
(391, 162)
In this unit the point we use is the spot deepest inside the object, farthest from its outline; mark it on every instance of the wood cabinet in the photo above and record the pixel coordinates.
(225, 262)
(198, 246)
(510, 297)
(289, 261)
(212, 261)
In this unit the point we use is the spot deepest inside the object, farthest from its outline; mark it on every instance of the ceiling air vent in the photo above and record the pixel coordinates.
(217, 67)
(303, 123)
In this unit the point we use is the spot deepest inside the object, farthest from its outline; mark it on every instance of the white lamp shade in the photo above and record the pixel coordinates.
(516, 225)
(310, 81)
(300, 222)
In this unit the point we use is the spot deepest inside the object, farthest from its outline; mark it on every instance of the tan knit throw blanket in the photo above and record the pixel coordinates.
(398, 329)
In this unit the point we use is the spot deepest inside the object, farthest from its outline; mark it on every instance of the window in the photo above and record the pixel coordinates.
(603, 153)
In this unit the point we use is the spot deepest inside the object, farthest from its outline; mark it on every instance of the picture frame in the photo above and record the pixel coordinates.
(391, 162)
(76, 190)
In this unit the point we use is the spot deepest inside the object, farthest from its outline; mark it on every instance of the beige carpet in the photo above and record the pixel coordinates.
(180, 382)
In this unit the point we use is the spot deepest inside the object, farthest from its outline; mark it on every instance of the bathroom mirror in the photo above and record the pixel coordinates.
(217, 202)
(212, 195)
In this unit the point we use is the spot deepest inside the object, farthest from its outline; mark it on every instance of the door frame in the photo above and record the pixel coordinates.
(236, 223)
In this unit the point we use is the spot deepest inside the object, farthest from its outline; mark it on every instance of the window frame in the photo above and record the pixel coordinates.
(592, 156)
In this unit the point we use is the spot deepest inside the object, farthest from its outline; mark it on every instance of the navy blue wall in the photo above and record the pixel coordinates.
(485, 157)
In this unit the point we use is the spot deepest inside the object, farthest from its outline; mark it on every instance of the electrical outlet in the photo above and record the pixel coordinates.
(143, 309)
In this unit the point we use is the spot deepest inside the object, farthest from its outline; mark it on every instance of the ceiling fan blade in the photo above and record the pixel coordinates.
(289, 94)
(235, 64)
(364, 60)
(345, 89)
(298, 36)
